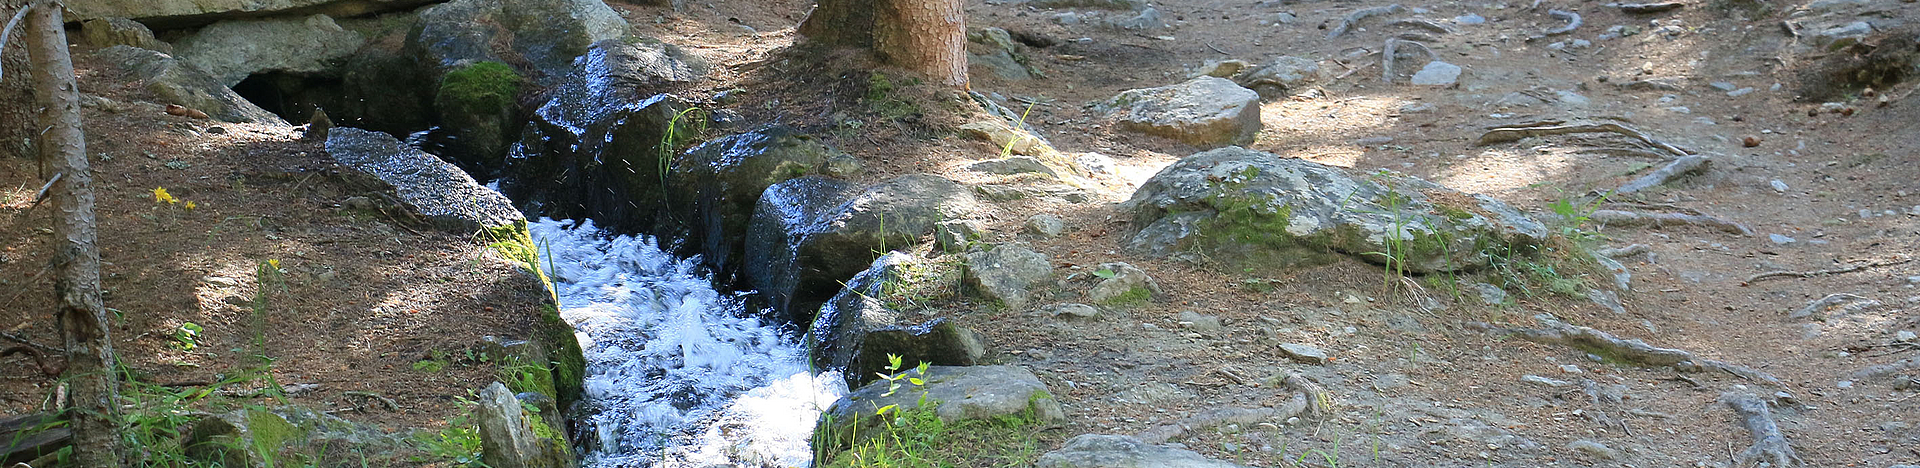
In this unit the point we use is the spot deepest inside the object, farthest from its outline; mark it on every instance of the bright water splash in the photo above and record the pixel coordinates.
(678, 373)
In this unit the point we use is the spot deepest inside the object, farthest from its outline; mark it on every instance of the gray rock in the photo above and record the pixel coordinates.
(1121, 281)
(1206, 111)
(1843, 34)
(808, 232)
(1279, 76)
(714, 187)
(958, 393)
(1220, 68)
(1607, 299)
(1093, 164)
(232, 50)
(1903, 336)
(433, 188)
(1303, 353)
(507, 439)
(1069, 310)
(958, 235)
(169, 14)
(1780, 239)
(856, 330)
(1280, 212)
(109, 32)
(1470, 19)
(1778, 186)
(544, 34)
(1013, 165)
(993, 50)
(1489, 294)
(176, 82)
(1010, 192)
(1114, 451)
(1098, 4)
(1547, 381)
(1144, 19)
(1005, 137)
(1594, 449)
(1045, 225)
(1437, 73)
(1201, 322)
(1006, 272)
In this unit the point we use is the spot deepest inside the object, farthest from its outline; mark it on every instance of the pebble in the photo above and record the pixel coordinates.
(1303, 353)
(1844, 384)
(1437, 73)
(1723, 86)
(1200, 321)
(1751, 141)
(1780, 239)
(1778, 186)
(1571, 369)
(1740, 92)
(1903, 336)
(1470, 18)
(1550, 382)
(1680, 110)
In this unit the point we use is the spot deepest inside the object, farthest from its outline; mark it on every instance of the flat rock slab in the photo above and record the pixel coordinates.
(433, 188)
(1114, 451)
(1007, 272)
(233, 50)
(1208, 112)
(175, 81)
(959, 393)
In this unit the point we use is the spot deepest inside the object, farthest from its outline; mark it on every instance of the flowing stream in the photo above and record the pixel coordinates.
(678, 374)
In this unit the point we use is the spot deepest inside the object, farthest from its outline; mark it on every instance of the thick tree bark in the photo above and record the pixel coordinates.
(926, 36)
(16, 122)
(81, 315)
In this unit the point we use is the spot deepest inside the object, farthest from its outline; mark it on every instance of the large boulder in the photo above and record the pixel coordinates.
(232, 50)
(508, 438)
(173, 81)
(714, 187)
(797, 251)
(431, 187)
(957, 393)
(594, 149)
(545, 35)
(179, 13)
(1206, 111)
(1115, 451)
(109, 32)
(856, 331)
(1278, 211)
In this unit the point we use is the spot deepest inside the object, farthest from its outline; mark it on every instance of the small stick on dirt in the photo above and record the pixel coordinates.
(1508, 133)
(388, 402)
(1678, 168)
(1423, 23)
(1363, 13)
(1602, 343)
(1631, 218)
(1769, 445)
(1572, 19)
(1899, 259)
(1643, 8)
(1215, 49)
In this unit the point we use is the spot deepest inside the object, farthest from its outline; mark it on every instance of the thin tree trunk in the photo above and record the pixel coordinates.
(81, 315)
(926, 36)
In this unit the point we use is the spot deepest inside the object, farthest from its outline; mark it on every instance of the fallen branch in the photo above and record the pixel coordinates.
(1885, 369)
(1898, 259)
(1573, 21)
(1769, 445)
(1679, 167)
(1631, 218)
(1643, 8)
(1634, 351)
(1503, 134)
(51, 371)
(1363, 13)
(1309, 399)
(1391, 51)
(1846, 302)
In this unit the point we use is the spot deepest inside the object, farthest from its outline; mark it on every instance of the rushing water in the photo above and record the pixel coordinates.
(678, 374)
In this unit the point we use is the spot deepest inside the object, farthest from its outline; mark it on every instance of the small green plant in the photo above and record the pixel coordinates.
(1137, 296)
(894, 376)
(1017, 134)
(459, 442)
(435, 362)
(185, 337)
(1105, 273)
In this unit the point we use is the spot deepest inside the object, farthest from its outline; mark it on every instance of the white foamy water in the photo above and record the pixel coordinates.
(681, 375)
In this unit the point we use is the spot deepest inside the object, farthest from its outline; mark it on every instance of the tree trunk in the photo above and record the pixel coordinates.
(16, 122)
(928, 37)
(76, 258)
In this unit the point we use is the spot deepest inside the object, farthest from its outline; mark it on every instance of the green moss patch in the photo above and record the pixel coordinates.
(479, 88)
(918, 438)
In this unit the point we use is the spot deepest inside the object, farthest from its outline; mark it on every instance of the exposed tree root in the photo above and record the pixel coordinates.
(1896, 260)
(1644, 8)
(1506, 133)
(1363, 13)
(1846, 303)
(1628, 251)
(1633, 218)
(1633, 351)
(1309, 399)
(1423, 23)
(1885, 369)
(1678, 168)
(1391, 52)
(1572, 19)
(1769, 445)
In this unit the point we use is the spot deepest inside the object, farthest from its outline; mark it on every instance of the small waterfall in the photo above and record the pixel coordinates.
(678, 374)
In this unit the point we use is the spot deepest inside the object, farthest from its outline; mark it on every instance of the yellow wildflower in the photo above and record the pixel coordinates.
(160, 195)
(190, 206)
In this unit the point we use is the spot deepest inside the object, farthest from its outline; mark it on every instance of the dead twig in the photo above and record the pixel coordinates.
(1678, 168)
(41, 195)
(1503, 134)
(1834, 271)
(1769, 445)
(1631, 218)
(1215, 49)
(1363, 13)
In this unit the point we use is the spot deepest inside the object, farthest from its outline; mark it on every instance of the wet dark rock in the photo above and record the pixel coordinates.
(856, 330)
(545, 35)
(175, 82)
(433, 188)
(1277, 211)
(809, 232)
(713, 188)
